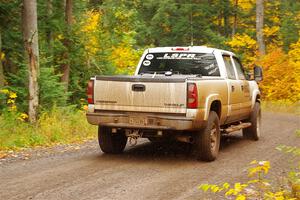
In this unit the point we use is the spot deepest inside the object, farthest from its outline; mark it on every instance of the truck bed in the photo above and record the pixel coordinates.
(141, 93)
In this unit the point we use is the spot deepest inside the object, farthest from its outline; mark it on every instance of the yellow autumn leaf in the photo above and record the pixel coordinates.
(244, 44)
(13, 108)
(125, 57)
(10, 101)
(245, 5)
(12, 95)
(226, 185)
(271, 31)
(229, 192)
(85, 107)
(2, 56)
(253, 162)
(4, 91)
(60, 37)
(24, 116)
(204, 187)
(241, 197)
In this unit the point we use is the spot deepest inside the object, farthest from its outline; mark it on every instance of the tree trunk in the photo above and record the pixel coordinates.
(30, 36)
(1, 66)
(226, 15)
(67, 43)
(49, 31)
(234, 27)
(260, 26)
(220, 16)
(69, 13)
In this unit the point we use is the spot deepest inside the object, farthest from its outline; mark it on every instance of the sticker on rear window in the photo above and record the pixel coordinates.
(149, 56)
(146, 63)
(187, 56)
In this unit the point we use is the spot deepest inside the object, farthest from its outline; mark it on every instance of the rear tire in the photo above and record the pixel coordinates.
(111, 143)
(253, 132)
(207, 141)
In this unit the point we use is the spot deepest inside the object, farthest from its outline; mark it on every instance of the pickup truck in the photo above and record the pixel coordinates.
(189, 94)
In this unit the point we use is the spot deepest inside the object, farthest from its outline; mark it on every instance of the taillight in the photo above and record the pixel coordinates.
(192, 96)
(90, 92)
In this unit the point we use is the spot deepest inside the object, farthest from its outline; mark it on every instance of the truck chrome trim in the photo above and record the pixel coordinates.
(141, 79)
(123, 121)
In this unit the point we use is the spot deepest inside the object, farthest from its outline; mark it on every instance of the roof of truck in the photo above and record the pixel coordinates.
(200, 49)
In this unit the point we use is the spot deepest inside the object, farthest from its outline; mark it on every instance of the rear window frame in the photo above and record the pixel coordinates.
(215, 62)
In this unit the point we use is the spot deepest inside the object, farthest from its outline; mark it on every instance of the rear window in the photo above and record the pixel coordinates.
(204, 64)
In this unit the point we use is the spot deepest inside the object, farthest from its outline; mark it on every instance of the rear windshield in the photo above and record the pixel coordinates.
(204, 64)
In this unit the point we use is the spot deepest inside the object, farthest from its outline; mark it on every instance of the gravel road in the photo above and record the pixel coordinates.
(145, 171)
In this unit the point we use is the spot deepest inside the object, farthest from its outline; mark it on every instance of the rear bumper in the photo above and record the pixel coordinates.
(159, 122)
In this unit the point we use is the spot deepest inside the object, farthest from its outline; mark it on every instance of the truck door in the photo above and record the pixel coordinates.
(234, 92)
(245, 104)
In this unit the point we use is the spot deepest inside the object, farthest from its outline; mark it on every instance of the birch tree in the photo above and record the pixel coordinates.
(260, 26)
(30, 36)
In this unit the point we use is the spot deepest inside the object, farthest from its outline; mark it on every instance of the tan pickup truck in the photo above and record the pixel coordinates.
(190, 94)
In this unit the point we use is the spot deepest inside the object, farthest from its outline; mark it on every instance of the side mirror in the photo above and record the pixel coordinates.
(258, 76)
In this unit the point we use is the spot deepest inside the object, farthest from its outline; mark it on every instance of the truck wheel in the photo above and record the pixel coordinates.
(113, 143)
(253, 132)
(207, 141)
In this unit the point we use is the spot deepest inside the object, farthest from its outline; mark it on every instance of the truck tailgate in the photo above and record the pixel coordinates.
(140, 94)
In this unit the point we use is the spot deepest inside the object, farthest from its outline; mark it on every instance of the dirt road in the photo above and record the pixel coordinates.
(146, 171)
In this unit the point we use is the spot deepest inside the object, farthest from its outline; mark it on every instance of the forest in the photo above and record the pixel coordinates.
(50, 48)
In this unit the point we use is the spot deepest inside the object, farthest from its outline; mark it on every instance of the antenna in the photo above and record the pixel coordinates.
(192, 31)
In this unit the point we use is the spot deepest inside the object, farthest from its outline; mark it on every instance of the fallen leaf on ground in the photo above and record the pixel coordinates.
(3, 155)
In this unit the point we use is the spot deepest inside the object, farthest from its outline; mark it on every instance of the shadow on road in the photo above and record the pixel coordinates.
(172, 150)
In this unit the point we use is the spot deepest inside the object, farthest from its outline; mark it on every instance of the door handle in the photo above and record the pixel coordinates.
(138, 87)
(242, 87)
(232, 88)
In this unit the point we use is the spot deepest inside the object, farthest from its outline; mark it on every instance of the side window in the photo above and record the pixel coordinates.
(229, 67)
(239, 69)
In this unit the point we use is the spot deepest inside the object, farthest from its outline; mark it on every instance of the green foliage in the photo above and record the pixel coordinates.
(51, 89)
(290, 23)
(168, 23)
(59, 125)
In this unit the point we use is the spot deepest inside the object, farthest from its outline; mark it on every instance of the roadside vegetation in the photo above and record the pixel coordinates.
(58, 125)
(281, 106)
(260, 186)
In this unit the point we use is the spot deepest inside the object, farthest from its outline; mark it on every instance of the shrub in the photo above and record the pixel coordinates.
(59, 125)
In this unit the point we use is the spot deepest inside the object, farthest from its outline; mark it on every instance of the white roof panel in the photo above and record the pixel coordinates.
(198, 49)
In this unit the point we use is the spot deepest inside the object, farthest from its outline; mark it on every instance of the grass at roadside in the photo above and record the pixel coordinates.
(281, 106)
(59, 126)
